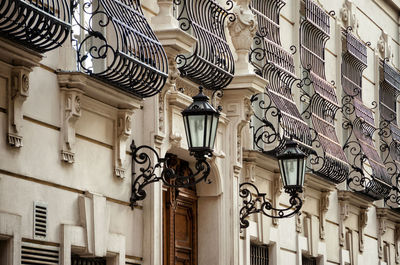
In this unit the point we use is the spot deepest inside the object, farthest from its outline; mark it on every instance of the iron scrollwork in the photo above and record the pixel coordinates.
(129, 56)
(151, 162)
(39, 25)
(319, 97)
(276, 116)
(211, 64)
(368, 173)
(256, 202)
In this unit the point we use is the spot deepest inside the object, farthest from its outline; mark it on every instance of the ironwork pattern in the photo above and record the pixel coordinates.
(77, 260)
(151, 162)
(368, 172)
(276, 116)
(258, 254)
(389, 131)
(256, 202)
(40, 25)
(319, 95)
(129, 56)
(211, 64)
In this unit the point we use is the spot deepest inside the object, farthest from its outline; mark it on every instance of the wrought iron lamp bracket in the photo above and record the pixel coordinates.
(256, 202)
(151, 162)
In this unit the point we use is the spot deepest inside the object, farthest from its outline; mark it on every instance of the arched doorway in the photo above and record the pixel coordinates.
(179, 219)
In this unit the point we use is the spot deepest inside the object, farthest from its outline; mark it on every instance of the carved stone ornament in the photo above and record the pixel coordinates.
(277, 191)
(362, 223)
(384, 49)
(242, 31)
(19, 92)
(397, 243)
(323, 209)
(344, 214)
(124, 130)
(71, 112)
(348, 15)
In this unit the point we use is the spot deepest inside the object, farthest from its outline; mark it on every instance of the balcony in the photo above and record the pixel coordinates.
(36, 24)
(116, 45)
(322, 103)
(211, 64)
(276, 114)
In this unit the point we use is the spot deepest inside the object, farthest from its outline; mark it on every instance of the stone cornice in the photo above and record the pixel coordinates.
(262, 160)
(18, 55)
(355, 199)
(98, 90)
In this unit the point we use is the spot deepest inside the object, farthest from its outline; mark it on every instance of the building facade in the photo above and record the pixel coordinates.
(84, 82)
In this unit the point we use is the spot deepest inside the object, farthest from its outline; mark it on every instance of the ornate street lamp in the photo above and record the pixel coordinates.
(292, 165)
(201, 123)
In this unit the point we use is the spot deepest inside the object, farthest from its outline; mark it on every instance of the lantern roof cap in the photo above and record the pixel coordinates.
(200, 105)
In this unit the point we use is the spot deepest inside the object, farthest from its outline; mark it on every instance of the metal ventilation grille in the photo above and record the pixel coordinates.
(258, 254)
(32, 254)
(77, 260)
(39, 220)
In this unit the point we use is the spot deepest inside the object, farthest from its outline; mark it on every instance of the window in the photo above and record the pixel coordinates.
(78, 260)
(308, 261)
(258, 254)
(5, 251)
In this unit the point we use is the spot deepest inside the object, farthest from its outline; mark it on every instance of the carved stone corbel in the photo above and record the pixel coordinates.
(323, 209)
(299, 223)
(362, 223)
(384, 49)
(344, 214)
(397, 243)
(124, 130)
(17, 96)
(381, 215)
(71, 112)
(348, 15)
(277, 187)
(242, 31)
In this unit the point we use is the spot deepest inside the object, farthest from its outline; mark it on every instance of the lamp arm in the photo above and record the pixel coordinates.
(250, 204)
(142, 155)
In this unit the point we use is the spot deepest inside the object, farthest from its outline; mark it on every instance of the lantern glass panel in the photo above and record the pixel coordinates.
(302, 168)
(186, 123)
(196, 130)
(290, 171)
(213, 131)
(208, 122)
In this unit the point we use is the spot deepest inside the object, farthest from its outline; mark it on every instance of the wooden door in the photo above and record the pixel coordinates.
(180, 220)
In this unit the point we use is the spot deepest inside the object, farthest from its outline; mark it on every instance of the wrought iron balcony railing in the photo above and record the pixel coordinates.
(276, 115)
(321, 101)
(368, 173)
(40, 25)
(389, 130)
(115, 44)
(211, 64)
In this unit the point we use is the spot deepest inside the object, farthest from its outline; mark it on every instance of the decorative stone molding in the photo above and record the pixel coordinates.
(348, 15)
(360, 205)
(277, 188)
(71, 112)
(249, 167)
(299, 223)
(384, 49)
(362, 223)
(344, 214)
(323, 209)
(11, 229)
(397, 243)
(92, 236)
(19, 92)
(381, 215)
(242, 31)
(124, 130)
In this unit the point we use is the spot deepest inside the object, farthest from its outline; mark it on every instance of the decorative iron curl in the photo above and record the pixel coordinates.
(211, 64)
(39, 25)
(134, 61)
(252, 197)
(150, 162)
(332, 13)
